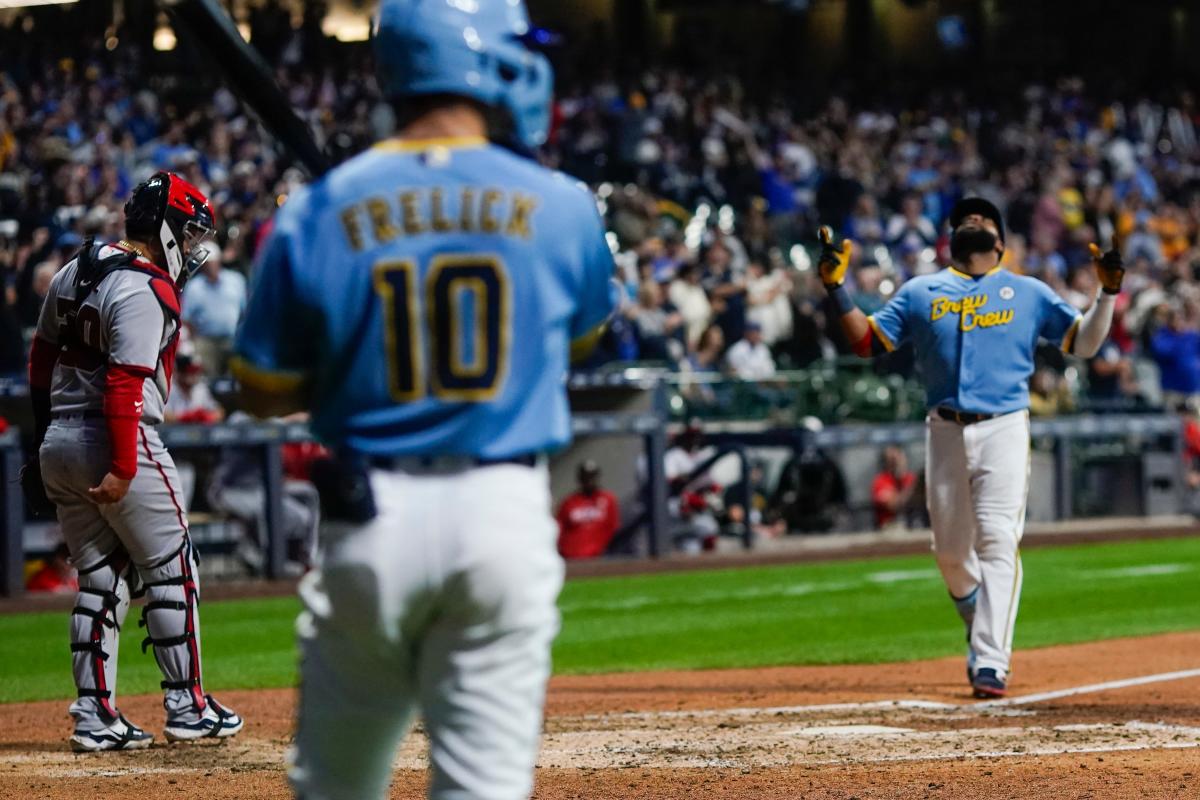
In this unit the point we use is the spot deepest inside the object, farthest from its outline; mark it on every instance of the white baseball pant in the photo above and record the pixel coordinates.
(977, 479)
(445, 602)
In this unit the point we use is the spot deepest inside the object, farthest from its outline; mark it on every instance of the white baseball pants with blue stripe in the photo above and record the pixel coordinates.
(445, 604)
(977, 482)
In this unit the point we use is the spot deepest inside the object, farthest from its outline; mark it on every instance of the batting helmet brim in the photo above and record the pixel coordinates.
(977, 205)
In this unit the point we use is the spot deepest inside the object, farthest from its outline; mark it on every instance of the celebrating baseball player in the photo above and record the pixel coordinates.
(974, 327)
(422, 299)
(99, 373)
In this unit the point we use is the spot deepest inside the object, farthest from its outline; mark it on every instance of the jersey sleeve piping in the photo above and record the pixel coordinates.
(273, 381)
(1068, 341)
(879, 334)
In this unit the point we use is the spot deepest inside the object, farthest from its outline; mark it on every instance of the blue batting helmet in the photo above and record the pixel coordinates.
(470, 48)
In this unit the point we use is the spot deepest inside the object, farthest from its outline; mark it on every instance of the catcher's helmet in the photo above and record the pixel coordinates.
(470, 48)
(169, 210)
(976, 205)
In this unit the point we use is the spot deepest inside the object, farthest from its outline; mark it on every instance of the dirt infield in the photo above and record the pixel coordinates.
(1079, 724)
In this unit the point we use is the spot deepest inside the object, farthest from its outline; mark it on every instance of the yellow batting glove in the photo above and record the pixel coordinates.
(1110, 268)
(833, 261)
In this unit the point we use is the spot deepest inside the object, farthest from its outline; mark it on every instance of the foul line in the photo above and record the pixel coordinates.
(928, 705)
(1089, 689)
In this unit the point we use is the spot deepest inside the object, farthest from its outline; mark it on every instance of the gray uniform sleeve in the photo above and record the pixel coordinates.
(134, 324)
(47, 325)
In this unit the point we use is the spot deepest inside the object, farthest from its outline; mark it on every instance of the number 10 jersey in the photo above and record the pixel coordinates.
(424, 297)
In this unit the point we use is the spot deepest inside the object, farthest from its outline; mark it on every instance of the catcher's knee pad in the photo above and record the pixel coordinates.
(96, 621)
(171, 619)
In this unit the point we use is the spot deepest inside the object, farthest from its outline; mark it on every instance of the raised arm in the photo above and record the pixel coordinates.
(832, 264)
(1093, 328)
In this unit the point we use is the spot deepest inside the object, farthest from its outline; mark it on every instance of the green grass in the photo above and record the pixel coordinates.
(875, 610)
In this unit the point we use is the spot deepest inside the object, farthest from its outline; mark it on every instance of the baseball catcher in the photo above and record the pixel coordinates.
(99, 373)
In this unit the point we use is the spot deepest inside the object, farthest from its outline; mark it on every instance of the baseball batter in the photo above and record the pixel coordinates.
(421, 300)
(99, 372)
(974, 327)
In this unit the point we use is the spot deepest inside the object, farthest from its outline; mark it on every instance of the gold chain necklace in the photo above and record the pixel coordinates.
(128, 245)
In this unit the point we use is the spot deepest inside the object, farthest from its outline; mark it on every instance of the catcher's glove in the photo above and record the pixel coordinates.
(34, 490)
(1110, 268)
(834, 261)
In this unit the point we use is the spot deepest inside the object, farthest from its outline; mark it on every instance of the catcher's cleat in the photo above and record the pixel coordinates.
(215, 721)
(988, 684)
(120, 735)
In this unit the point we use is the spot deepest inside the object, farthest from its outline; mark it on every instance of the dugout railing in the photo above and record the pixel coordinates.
(267, 438)
(1160, 432)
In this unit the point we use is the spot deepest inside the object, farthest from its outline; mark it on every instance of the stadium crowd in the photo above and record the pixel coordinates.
(712, 196)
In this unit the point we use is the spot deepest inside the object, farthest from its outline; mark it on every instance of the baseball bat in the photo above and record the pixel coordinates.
(214, 33)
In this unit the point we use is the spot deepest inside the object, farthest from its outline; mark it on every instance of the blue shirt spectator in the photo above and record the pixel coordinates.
(213, 301)
(1176, 350)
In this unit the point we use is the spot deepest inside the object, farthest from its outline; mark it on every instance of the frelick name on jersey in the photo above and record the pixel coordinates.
(411, 212)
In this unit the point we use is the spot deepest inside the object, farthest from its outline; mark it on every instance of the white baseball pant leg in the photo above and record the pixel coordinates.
(444, 603)
(977, 479)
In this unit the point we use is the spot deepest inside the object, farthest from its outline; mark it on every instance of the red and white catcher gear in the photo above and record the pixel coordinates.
(96, 621)
(172, 623)
(172, 212)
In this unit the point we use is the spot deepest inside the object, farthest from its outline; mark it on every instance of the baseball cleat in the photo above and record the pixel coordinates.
(216, 721)
(120, 735)
(987, 684)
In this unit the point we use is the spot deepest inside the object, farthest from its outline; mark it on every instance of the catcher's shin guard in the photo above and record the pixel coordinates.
(172, 622)
(96, 621)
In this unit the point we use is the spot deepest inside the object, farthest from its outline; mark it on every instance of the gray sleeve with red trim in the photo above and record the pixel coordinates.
(47, 325)
(134, 325)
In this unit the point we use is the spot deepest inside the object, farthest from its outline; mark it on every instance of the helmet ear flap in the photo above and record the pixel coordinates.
(172, 252)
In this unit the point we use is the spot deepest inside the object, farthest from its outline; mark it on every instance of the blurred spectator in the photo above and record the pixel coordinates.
(750, 359)
(811, 491)
(1049, 394)
(588, 518)
(56, 575)
(1112, 384)
(1175, 347)
(706, 361)
(190, 400)
(236, 488)
(13, 354)
(764, 522)
(768, 302)
(691, 301)
(865, 226)
(1191, 455)
(693, 493)
(213, 302)
(893, 488)
(699, 174)
(656, 325)
(909, 228)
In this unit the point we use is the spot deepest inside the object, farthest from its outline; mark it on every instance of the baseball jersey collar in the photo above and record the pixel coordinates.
(417, 145)
(956, 271)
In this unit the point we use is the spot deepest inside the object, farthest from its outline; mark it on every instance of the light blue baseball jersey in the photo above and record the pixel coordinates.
(975, 337)
(425, 294)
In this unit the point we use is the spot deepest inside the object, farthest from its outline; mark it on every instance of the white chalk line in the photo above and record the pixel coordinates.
(923, 705)
(1089, 689)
